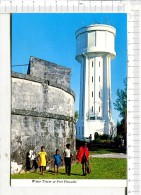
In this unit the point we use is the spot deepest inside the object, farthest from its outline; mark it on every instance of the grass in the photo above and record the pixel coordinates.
(101, 168)
(106, 151)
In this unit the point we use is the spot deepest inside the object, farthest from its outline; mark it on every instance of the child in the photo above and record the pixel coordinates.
(42, 159)
(57, 160)
(35, 164)
(67, 158)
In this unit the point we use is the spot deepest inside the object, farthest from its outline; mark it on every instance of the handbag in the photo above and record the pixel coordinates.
(88, 168)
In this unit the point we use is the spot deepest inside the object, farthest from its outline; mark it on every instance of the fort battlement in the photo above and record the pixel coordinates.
(42, 110)
(49, 71)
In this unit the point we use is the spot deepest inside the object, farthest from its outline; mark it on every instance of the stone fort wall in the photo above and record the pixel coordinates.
(42, 111)
(49, 71)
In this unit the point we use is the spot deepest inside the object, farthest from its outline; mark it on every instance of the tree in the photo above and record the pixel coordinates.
(121, 101)
(76, 116)
(120, 128)
(121, 106)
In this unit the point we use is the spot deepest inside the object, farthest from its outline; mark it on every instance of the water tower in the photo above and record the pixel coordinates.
(95, 48)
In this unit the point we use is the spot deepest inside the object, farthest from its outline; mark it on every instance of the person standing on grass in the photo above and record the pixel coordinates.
(82, 156)
(67, 159)
(42, 160)
(57, 161)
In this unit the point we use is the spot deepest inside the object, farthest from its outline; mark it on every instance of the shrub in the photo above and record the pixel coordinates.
(105, 141)
(104, 137)
(117, 140)
(96, 136)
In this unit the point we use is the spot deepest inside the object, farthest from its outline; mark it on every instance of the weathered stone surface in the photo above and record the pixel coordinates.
(42, 80)
(41, 114)
(33, 132)
(22, 172)
(49, 71)
(42, 110)
(29, 95)
(15, 167)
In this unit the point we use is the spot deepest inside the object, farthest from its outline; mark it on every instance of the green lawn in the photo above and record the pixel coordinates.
(101, 168)
(106, 151)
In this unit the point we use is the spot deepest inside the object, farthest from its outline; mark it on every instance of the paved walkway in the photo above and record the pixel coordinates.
(113, 155)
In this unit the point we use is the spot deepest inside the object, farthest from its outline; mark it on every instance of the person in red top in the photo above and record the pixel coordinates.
(83, 156)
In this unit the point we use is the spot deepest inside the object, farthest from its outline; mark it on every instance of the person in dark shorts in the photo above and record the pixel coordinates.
(82, 156)
(67, 159)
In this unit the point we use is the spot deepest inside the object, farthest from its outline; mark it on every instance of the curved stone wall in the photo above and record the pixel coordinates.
(42, 112)
(41, 97)
(31, 132)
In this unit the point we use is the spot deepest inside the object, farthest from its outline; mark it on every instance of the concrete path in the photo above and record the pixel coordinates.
(113, 155)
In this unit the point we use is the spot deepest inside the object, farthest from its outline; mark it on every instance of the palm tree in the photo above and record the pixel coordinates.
(76, 116)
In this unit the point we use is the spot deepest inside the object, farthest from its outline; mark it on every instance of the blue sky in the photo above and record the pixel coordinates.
(52, 37)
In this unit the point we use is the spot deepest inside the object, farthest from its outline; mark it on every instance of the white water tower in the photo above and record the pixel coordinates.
(95, 48)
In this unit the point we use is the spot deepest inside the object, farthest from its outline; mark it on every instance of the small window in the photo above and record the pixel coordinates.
(92, 108)
(99, 93)
(99, 63)
(99, 108)
(99, 78)
(92, 64)
(92, 94)
(92, 79)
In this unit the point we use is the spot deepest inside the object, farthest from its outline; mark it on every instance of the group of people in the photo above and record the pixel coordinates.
(82, 156)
